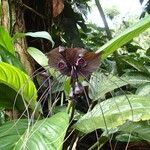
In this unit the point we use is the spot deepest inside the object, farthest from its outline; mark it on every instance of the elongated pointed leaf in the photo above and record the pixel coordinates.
(144, 89)
(136, 78)
(124, 37)
(127, 137)
(114, 112)
(19, 82)
(46, 134)
(134, 63)
(9, 58)
(39, 57)
(6, 41)
(100, 84)
(41, 34)
(141, 129)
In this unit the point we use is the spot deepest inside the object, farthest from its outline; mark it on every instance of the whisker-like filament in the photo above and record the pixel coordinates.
(35, 73)
(74, 63)
(120, 88)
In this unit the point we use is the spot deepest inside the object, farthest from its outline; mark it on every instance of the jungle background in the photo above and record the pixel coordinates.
(117, 114)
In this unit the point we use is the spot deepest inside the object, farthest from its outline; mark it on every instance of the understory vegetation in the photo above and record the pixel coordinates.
(109, 108)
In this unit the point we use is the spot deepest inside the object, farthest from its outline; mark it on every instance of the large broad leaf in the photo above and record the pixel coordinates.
(6, 41)
(136, 78)
(144, 89)
(19, 82)
(127, 137)
(114, 112)
(11, 132)
(100, 84)
(9, 58)
(141, 129)
(125, 37)
(46, 134)
(135, 63)
(9, 98)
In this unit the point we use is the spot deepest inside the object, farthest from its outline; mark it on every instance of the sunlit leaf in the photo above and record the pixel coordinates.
(38, 56)
(11, 132)
(6, 41)
(41, 34)
(114, 112)
(9, 58)
(124, 37)
(20, 82)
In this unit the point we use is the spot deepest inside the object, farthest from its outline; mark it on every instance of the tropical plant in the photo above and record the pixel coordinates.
(37, 111)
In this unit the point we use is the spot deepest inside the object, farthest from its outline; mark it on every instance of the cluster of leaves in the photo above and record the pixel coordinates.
(18, 92)
(94, 37)
(125, 112)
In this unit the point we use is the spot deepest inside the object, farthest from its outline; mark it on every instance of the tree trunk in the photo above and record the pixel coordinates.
(13, 20)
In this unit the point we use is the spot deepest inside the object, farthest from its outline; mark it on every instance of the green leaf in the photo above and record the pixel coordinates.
(134, 63)
(143, 89)
(9, 98)
(148, 52)
(136, 78)
(141, 129)
(19, 82)
(114, 112)
(17, 35)
(41, 34)
(6, 41)
(39, 57)
(124, 37)
(11, 132)
(7, 57)
(127, 138)
(100, 84)
(67, 86)
(46, 134)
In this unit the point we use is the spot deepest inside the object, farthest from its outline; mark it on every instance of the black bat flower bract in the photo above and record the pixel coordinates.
(73, 61)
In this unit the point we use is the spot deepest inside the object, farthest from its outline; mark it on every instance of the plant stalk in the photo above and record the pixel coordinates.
(104, 19)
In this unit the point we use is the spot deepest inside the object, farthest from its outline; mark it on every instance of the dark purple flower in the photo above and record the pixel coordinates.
(73, 61)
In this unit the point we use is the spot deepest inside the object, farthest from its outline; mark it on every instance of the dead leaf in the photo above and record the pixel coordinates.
(58, 6)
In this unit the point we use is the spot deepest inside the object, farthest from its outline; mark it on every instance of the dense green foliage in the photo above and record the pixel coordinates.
(119, 90)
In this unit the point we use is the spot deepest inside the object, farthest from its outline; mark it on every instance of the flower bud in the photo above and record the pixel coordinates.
(78, 88)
